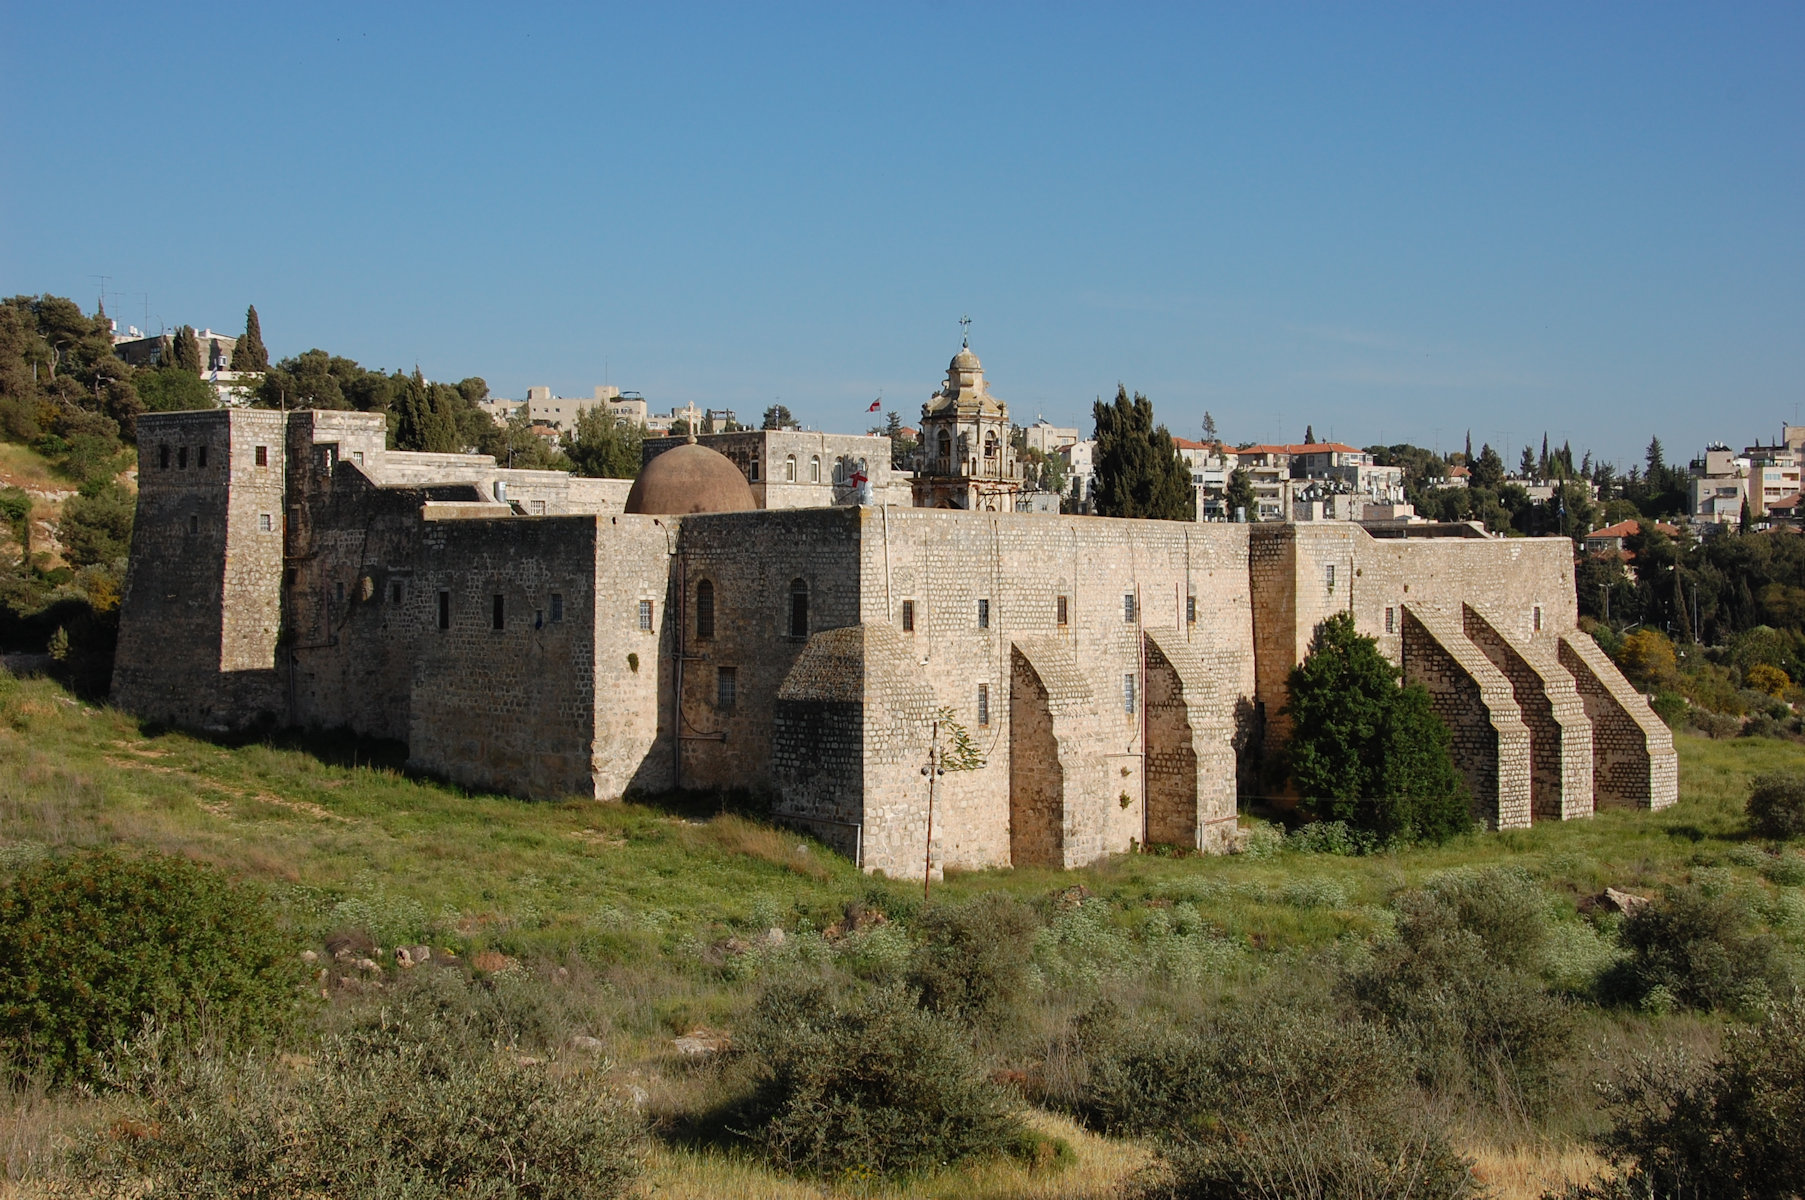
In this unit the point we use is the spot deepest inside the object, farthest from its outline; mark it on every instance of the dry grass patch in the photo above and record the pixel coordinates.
(1527, 1172)
(732, 834)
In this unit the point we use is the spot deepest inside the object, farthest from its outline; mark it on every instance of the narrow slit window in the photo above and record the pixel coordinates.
(263, 456)
(726, 686)
(194, 524)
(705, 609)
(395, 594)
(1190, 610)
(983, 704)
(338, 591)
(1391, 620)
(789, 469)
(557, 606)
(163, 457)
(645, 616)
(498, 613)
(908, 616)
(1329, 576)
(1128, 694)
(1128, 607)
(984, 614)
(444, 610)
(181, 458)
(200, 456)
(752, 472)
(814, 468)
(798, 608)
(1062, 611)
(1538, 618)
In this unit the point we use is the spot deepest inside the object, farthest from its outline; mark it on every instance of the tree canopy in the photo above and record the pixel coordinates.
(605, 445)
(1139, 472)
(1366, 751)
(778, 417)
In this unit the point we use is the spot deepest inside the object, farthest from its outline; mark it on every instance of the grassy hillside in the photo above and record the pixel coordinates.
(657, 921)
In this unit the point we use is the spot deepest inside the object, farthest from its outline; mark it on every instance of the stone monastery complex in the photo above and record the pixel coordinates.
(782, 615)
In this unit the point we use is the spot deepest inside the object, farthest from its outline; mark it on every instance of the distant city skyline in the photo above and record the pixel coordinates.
(1389, 223)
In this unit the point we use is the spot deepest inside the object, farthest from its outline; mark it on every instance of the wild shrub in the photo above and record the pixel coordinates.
(95, 944)
(402, 1106)
(1699, 948)
(1776, 806)
(1298, 1102)
(1724, 1130)
(867, 1083)
(1461, 985)
(1367, 751)
(972, 963)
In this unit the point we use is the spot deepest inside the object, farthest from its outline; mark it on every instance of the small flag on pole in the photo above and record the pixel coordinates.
(875, 405)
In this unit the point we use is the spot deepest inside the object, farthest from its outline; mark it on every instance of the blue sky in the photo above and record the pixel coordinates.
(1388, 222)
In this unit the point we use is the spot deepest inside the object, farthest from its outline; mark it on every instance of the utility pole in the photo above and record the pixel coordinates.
(933, 771)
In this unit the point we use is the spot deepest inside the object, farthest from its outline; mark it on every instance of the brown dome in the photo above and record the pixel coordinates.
(689, 478)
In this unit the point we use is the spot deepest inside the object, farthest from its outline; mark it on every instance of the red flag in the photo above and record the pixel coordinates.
(875, 405)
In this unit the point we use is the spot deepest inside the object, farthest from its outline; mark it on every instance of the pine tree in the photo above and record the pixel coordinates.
(249, 354)
(166, 351)
(1210, 436)
(1139, 472)
(1468, 460)
(1309, 435)
(1544, 463)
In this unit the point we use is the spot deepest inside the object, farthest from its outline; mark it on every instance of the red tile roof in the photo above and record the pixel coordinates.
(1303, 448)
(1630, 528)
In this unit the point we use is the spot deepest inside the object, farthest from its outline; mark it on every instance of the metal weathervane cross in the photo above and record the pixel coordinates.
(965, 332)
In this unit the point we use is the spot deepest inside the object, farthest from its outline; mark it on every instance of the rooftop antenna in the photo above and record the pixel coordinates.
(104, 280)
(965, 333)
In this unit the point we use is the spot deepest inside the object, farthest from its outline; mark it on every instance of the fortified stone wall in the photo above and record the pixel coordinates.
(758, 567)
(197, 624)
(503, 687)
(1560, 735)
(1116, 579)
(1490, 742)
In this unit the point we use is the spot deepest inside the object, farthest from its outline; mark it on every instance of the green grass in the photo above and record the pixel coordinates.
(658, 914)
(334, 833)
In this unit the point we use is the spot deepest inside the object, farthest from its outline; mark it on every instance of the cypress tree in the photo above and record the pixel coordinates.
(249, 354)
(1139, 472)
(188, 350)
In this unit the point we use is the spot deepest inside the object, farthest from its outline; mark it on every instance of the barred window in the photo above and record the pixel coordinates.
(265, 522)
(705, 609)
(557, 606)
(1190, 610)
(262, 456)
(645, 616)
(1391, 620)
(1060, 610)
(983, 704)
(984, 614)
(1538, 618)
(1128, 607)
(726, 686)
(908, 616)
(1128, 693)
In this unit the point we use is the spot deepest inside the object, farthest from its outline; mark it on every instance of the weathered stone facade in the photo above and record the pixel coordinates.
(1123, 681)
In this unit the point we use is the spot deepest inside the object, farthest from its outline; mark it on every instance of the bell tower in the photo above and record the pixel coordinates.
(966, 459)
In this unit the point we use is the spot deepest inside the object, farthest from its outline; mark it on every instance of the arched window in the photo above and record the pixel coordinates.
(946, 451)
(789, 469)
(990, 444)
(814, 468)
(798, 608)
(705, 609)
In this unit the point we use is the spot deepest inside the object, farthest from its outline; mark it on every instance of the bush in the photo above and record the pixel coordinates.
(1776, 806)
(1366, 751)
(973, 961)
(869, 1084)
(93, 946)
(1729, 1131)
(1699, 950)
(96, 525)
(1670, 707)
(1461, 984)
(1299, 1102)
(1769, 679)
(1714, 725)
(404, 1106)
